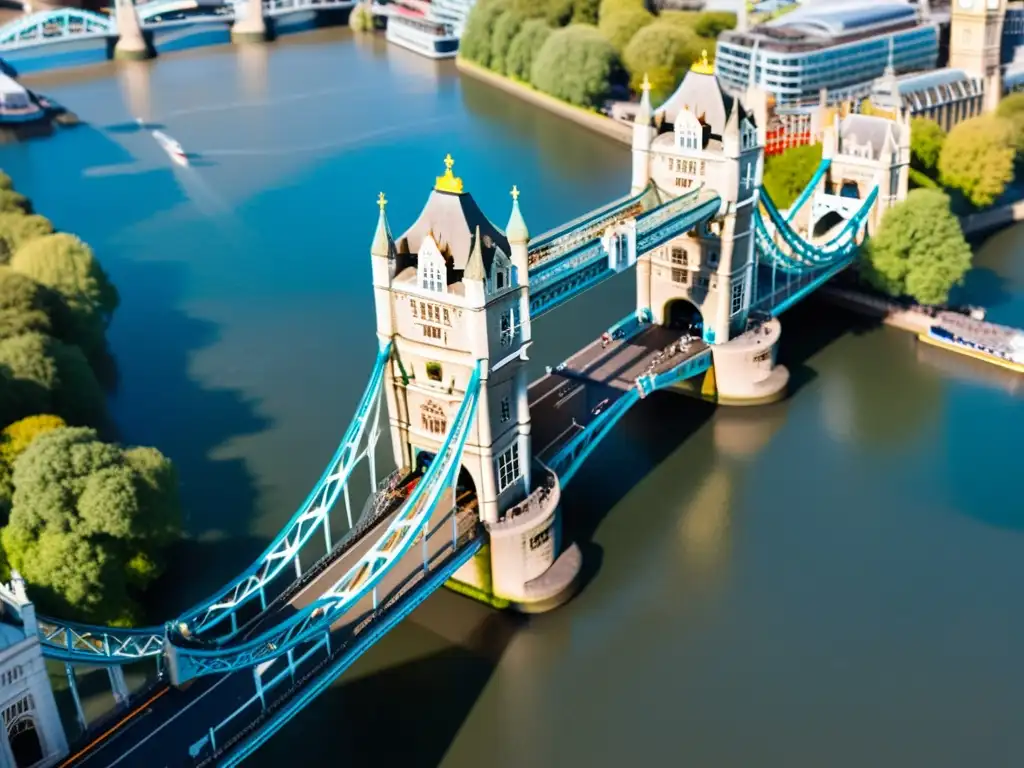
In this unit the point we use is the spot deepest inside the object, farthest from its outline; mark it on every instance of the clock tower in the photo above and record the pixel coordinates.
(975, 39)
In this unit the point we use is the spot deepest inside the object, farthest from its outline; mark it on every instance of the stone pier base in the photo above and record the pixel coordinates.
(744, 370)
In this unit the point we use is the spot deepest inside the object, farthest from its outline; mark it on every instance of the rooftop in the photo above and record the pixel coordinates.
(702, 94)
(452, 217)
(825, 22)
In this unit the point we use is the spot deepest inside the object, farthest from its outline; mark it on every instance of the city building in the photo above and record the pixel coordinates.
(946, 96)
(839, 47)
(32, 735)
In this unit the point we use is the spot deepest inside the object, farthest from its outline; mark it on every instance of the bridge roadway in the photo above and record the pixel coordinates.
(159, 732)
(567, 400)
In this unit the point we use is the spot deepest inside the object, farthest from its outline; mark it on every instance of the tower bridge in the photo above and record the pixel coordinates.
(483, 454)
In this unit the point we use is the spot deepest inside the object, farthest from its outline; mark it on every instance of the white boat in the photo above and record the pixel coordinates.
(436, 40)
(171, 147)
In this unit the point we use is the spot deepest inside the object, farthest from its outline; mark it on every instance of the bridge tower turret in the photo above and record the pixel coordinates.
(31, 732)
(452, 291)
(643, 134)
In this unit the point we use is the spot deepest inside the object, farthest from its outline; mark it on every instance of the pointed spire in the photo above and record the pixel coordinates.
(516, 231)
(645, 100)
(890, 68)
(475, 266)
(383, 245)
(752, 72)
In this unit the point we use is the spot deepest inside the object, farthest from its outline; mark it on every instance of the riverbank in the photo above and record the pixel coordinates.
(979, 335)
(592, 121)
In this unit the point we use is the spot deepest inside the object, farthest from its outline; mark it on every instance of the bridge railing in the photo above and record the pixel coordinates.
(361, 579)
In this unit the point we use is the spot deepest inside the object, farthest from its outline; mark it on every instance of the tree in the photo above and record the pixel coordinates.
(1012, 109)
(926, 140)
(14, 439)
(361, 18)
(977, 158)
(529, 9)
(89, 522)
(608, 7)
(786, 174)
(68, 266)
(14, 202)
(475, 45)
(16, 229)
(506, 28)
(39, 374)
(524, 48)
(664, 51)
(26, 306)
(620, 26)
(559, 13)
(711, 24)
(919, 250)
(5, 181)
(585, 11)
(576, 64)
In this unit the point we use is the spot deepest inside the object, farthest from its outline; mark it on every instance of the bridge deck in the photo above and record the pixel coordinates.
(161, 734)
(564, 402)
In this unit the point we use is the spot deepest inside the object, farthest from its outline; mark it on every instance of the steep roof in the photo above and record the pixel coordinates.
(702, 94)
(452, 218)
(861, 130)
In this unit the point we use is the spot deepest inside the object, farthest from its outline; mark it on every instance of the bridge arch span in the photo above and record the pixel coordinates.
(827, 223)
(61, 23)
(683, 314)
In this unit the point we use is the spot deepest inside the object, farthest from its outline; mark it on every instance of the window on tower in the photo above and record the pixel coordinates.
(433, 418)
(507, 328)
(737, 297)
(431, 277)
(508, 467)
(506, 410)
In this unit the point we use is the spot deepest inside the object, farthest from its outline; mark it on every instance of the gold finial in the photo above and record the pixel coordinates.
(515, 193)
(381, 201)
(449, 182)
(645, 86)
(704, 66)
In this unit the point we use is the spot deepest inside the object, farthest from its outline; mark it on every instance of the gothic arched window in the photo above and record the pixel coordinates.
(431, 276)
(433, 417)
(748, 135)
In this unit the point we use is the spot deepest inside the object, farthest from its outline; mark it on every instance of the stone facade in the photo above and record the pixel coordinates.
(702, 136)
(452, 292)
(32, 735)
(975, 43)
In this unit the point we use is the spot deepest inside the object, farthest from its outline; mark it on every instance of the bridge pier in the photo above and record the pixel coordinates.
(131, 42)
(744, 371)
(252, 27)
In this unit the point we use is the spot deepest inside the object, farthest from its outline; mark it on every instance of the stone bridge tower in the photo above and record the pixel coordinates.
(701, 137)
(866, 151)
(452, 290)
(975, 44)
(32, 734)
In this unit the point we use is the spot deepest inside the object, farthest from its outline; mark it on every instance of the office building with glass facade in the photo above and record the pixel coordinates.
(841, 46)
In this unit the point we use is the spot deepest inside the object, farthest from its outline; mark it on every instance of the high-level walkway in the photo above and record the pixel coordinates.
(163, 731)
(567, 400)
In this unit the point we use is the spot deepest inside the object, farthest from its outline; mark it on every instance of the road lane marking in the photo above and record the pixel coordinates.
(113, 728)
(167, 722)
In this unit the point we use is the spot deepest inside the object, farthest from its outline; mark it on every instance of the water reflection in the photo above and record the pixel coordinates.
(135, 79)
(253, 71)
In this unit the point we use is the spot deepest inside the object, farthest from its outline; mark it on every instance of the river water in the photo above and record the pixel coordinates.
(833, 580)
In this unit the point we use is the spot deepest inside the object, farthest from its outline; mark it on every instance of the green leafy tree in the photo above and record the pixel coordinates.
(619, 27)
(14, 439)
(663, 51)
(530, 9)
(39, 374)
(576, 64)
(89, 522)
(585, 11)
(14, 202)
(919, 250)
(26, 306)
(475, 45)
(559, 13)
(524, 48)
(711, 24)
(506, 28)
(67, 265)
(16, 229)
(608, 7)
(786, 174)
(5, 181)
(361, 18)
(1012, 108)
(977, 158)
(926, 140)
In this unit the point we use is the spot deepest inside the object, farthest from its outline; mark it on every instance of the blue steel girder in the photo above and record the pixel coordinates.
(555, 283)
(314, 620)
(280, 716)
(809, 190)
(567, 462)
(567, 237)
(53, 26)
(97, 645)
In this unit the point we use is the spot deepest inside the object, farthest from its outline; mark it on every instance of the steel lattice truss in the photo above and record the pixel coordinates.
(54, 26)
(313, 621)
(108, 645)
